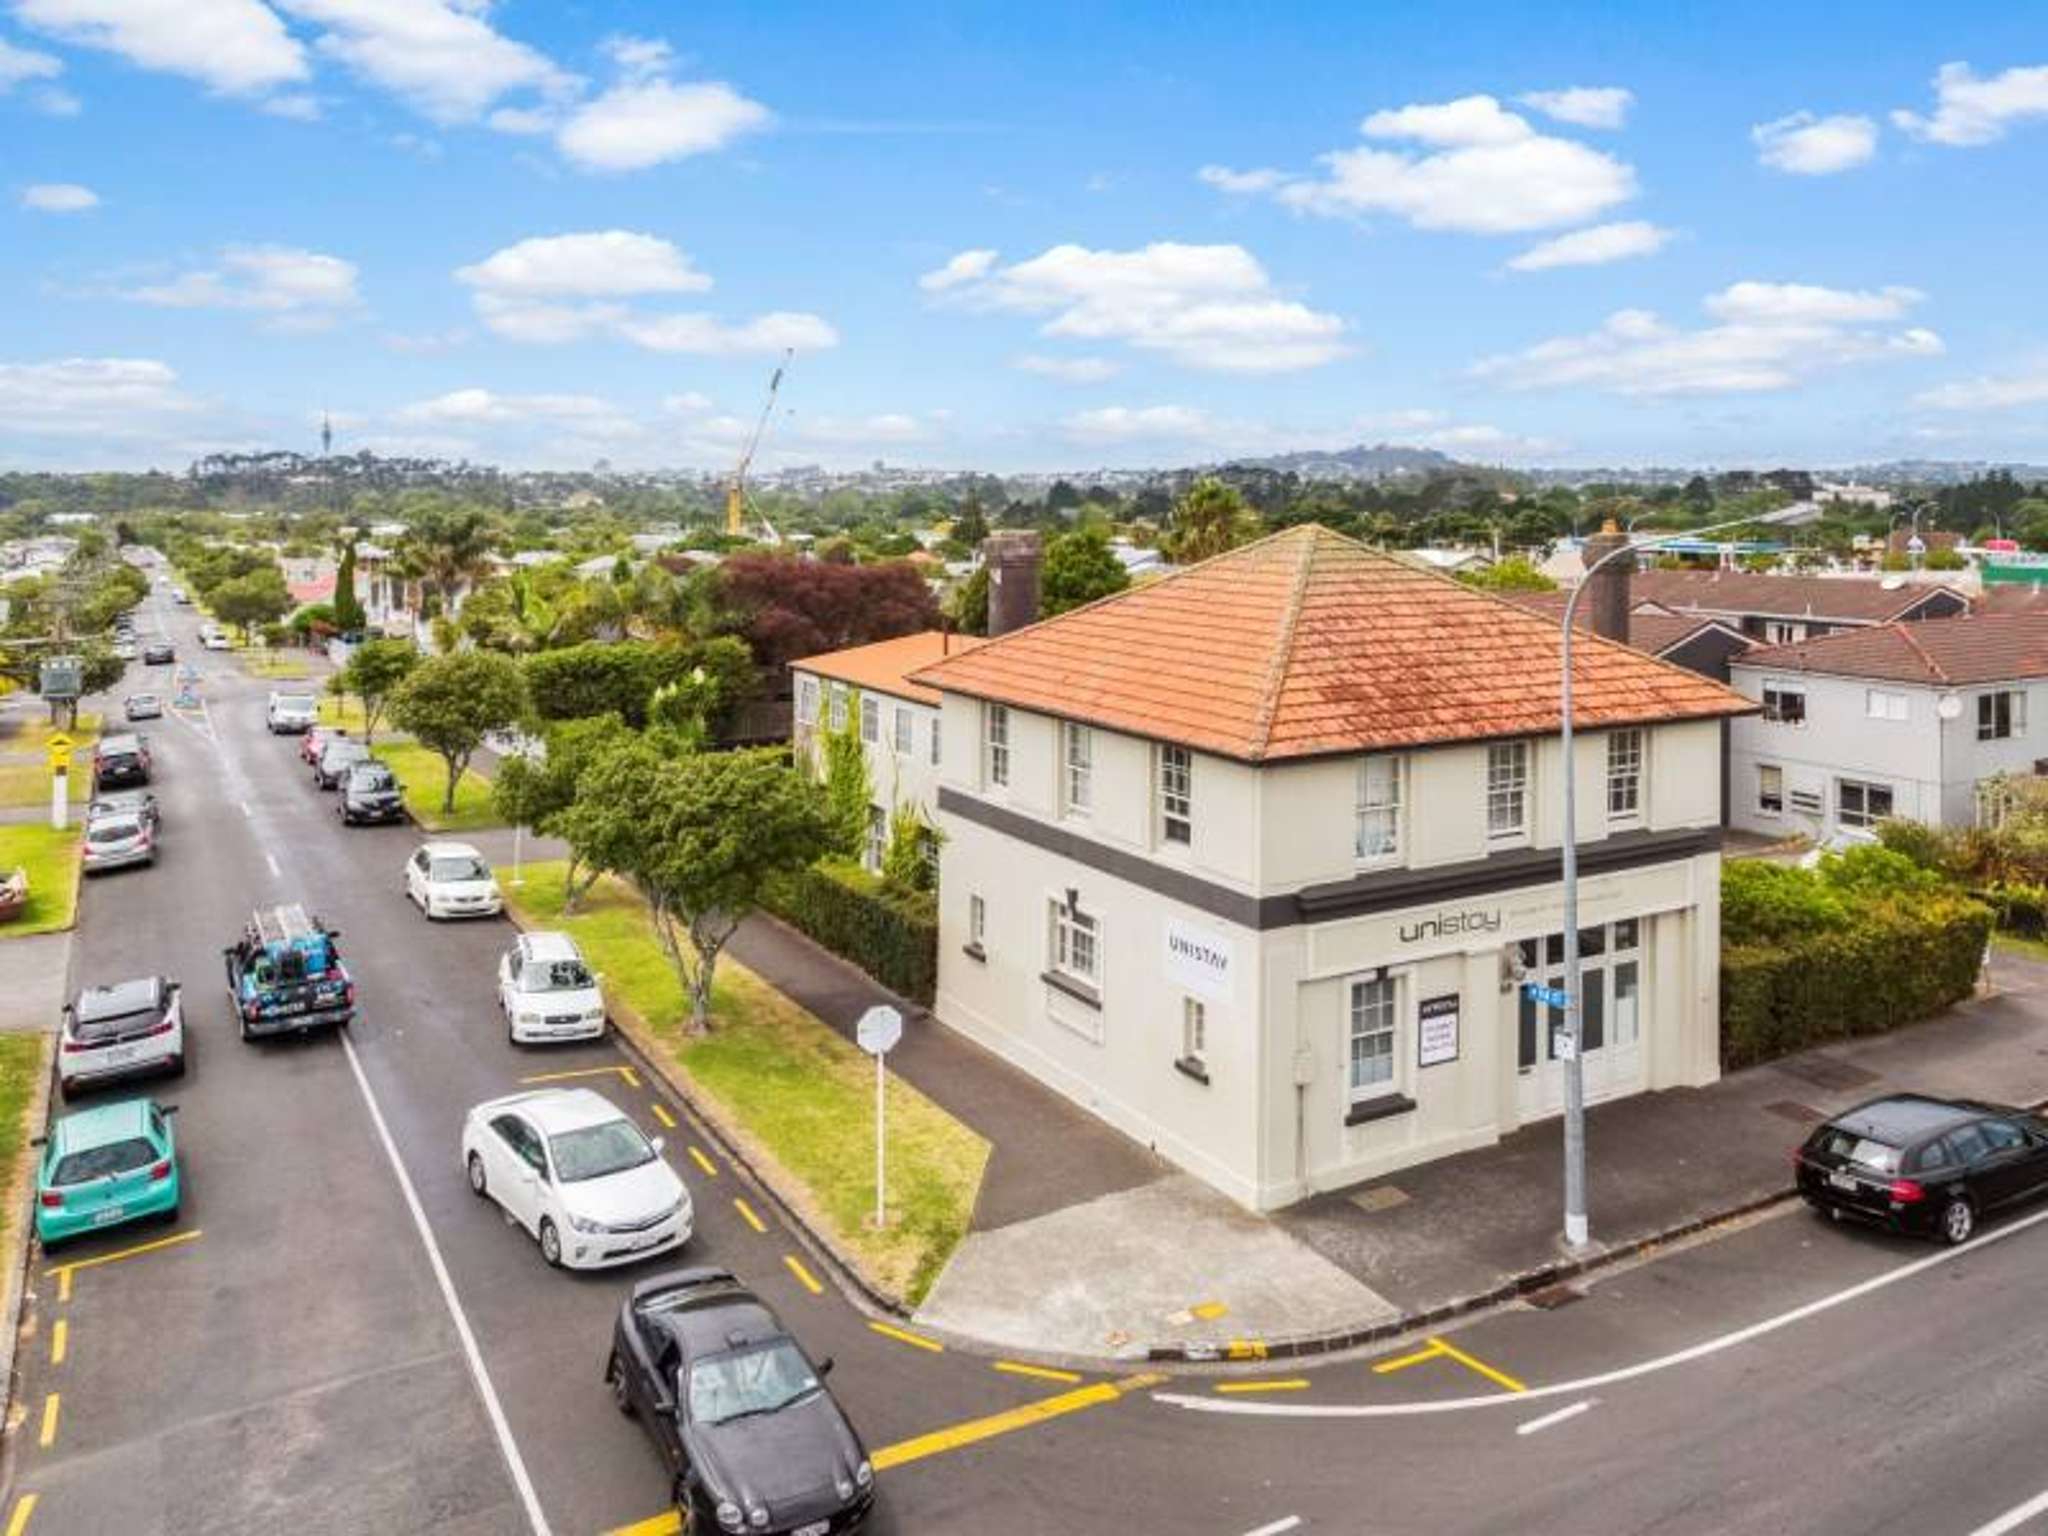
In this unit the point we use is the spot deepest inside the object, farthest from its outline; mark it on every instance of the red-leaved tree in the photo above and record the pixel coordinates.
(785, 607)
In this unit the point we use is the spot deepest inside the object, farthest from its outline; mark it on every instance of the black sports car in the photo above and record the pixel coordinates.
(741, 1416)
(1931, 1167)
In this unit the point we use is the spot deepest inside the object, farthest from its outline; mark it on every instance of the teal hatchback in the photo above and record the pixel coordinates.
(105, 1166)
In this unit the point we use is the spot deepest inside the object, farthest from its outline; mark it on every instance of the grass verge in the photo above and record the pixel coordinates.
(798, 1096)
(424, 778)
(28, 783)
(51, 859)
(277, 666)
(346, 713)
(2019, 944)
(21, 1062)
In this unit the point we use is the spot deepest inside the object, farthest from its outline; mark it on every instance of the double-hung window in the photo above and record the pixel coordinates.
(1176, 795)
(878, 836)
(807, 701)
(1079, 752)
(1624, 775)
(1884, 704)
(1371, 1047)
(1770, 789)
(1858, 804)
(1378, 833)
(2001, 715)
(1194, 1032)
(1076, 945)
(870, 721)
(1783, 703)
(838, 706)
(1507, 789)
(906, 732)
(935, 741)
(995, 743)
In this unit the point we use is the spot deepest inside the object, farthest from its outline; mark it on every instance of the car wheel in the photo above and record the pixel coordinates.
(615, 1378)
(550, 1244)
(66, 1089)
(178, 1065)
(170, 1217)
(241, 1025)
(1958, 1220)
(478, 1184)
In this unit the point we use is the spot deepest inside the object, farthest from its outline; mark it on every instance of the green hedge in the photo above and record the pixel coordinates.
(2021, 909)
(1894, 965)
(894, 938)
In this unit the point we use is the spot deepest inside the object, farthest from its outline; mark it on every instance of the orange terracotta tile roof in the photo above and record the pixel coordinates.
(1971, 649)
(885, 665)
(1308, 643)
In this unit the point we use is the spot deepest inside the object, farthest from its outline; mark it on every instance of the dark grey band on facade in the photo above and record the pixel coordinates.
(1374, 891)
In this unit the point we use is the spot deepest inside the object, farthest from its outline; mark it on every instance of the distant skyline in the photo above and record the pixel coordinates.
(540, 234)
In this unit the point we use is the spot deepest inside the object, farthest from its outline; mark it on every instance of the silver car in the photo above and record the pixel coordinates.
(125, 1030)
(115, 842)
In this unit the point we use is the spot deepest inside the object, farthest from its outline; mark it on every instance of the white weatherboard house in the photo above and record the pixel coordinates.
(1245, 862)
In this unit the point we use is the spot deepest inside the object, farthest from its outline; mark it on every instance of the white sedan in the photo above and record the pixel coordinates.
(547, 992)
(568, 1166)
(452, 880)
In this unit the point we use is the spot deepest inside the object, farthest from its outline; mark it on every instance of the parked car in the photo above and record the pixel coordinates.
(124, 647)
(290, 712)
(130, 1029)
(143, 706)
(159, 653)
(104, 1167)
(116, 842)
(127, 802)
(178, 596)
(452, 880)
(369, 793)
(1925, 1166)
(213, 638)
(120, 760)
(317, 736)
(285, 975)
(547, 992)
(336, 758)
(575, 1171)
(752, 1438)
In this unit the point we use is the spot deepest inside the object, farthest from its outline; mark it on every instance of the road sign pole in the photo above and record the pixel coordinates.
(877, 1033)
(60, 797)
(881, 1098)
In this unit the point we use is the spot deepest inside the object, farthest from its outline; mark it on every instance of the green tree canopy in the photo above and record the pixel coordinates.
(349, 617)
(1514, 574)
(1207, 520)
(374, 671)
(1079, 568)
(251, 601)
(534, 792)
(451, 703)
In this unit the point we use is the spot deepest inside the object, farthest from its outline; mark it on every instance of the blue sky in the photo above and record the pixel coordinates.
(1022, 237)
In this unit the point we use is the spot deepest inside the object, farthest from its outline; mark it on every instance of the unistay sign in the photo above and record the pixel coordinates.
(1201, 960)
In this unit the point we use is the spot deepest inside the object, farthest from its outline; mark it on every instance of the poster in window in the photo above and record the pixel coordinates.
(1436, 1030)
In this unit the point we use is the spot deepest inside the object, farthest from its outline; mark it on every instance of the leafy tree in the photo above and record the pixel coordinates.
(971, 526)
(698, 837)
(375, 670)
(1513, 574)
(349, 617)
(535, 792)
(1079, 568)
(969, 606)
(785, 608)
(449, 546)
(251, 601)
(451, 703)
(849, 789)
(1947, 558)
(313, 619)
(1208, 520)
(907, 860)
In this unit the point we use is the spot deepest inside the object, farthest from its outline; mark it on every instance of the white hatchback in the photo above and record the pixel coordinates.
(568, 1166)
(546, 992)
(452, 880)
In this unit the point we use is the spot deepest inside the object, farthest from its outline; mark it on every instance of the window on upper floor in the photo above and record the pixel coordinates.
(838, 722)
(906, 731)
(1176, 795)
(807, 701)
(977, 922)
(1624, 775)
(1377, 835)
(2001, 715)
(1507, 789)
(1784, 703)
(1778, 632)
(1076, 950)
(1078, 751)
(995, 743)
(1884, 704)
(870, 721)
(935, 741)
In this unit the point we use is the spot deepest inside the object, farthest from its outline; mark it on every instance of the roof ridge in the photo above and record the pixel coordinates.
(1922, 652)
(1283, 651)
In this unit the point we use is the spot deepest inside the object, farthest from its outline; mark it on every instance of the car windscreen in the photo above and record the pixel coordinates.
(371, 776)
(112, 1025)
(462, 867)
(102, 1162)
(294, 704)
(554, 976)
(597, 1150)
(143, 701)
(748, 1381)
(122, 831)
(1861, 1150)
(338, 753)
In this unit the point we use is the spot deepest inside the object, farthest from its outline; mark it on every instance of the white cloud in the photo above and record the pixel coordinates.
(232, 46)
(1769, 336)
(1989, 392)
(600, 263)
(298, 289)
(1970, 109)
(442, 57)
(1802, 144)
(1475, 438)
(966, 267)
(638, 58)
(1593, 247)
(1481, 169)
(647, 119)
(89, 396)
(56, 102)
(1410, 420)
(19, 64)
(1202, 306)
(425, 343)
(1587, 106)
(59, 197)
(1070, 370)
(708, 336)
(886, 427)
(1122, 423)
(298, 106)
(585, 415)
(688, 403)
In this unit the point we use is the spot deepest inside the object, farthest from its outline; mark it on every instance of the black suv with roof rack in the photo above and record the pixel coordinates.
(1924, 1166)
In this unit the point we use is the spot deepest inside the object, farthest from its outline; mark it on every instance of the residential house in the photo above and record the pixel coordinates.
(1779, 609)
(1249, 861)
(1695, 641)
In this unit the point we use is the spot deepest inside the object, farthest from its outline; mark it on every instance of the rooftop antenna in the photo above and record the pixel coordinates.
(326, 435)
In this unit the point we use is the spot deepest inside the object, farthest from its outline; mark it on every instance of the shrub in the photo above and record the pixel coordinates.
(2021, 909)
(1762, 903)
(892, 936)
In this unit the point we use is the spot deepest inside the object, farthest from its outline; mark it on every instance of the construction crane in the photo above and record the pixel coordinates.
(736, 488)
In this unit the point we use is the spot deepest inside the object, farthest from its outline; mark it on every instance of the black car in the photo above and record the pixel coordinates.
(369, 793)
(335, 759)
(740, 1415)
(158, 654)
(119, 761)
(1930, 1167)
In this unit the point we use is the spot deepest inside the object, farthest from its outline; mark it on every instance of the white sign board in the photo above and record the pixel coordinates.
(878, 1030)
(1201, 960)
(1436, 1030)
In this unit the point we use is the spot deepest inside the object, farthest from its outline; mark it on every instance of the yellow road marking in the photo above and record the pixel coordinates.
(63, 1272)
(804, 1277)
(668, 1120)
(1290, 1384)
(60, 1340)
(905, 1336)
(632, 1078)
(1208, 1311)
(625, 1073)
(48, 1436)
(976, 1430)
(23, 1508)
(1245, 1349)
(1382, 1367)
(1498, 1378)
(1038, 1372)
(665, 1524)
(710, 1168)
(747, 1211)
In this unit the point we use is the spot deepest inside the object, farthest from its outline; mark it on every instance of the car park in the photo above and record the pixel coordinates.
(104, 1167)
(285, 975)
(575, 1171)
(369, 794)
(129, 1029)
(452, 880)
(1923, 1166)
(143, 706)
(127, 802)
(159, 653)
(117, 842)
(336, 757)
(119, 761)
(287, 713)
(750, 1436)
(547, 992)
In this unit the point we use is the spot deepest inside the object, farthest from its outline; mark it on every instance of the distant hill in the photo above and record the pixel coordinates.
(1382, 461)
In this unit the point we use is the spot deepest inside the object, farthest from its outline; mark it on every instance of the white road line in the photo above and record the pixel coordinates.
(1534, 1426)
(536, 1519)
(278, 874)
(247, 812)
(2013, 1519)
(1291, 1523)
(1584, 1384)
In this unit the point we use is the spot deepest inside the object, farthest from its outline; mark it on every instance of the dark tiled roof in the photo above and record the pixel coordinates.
(1650, 628)
(1974, 648)
(1843, 599)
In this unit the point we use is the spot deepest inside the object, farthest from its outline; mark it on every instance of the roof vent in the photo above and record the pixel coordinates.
(1892, 583)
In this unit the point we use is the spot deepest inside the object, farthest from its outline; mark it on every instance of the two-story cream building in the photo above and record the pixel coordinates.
(1250, 861)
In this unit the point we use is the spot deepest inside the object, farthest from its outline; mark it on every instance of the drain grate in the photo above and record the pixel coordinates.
(1796, 1112)
(1551, 1297)
(1381, 1197)
(1823, 1072)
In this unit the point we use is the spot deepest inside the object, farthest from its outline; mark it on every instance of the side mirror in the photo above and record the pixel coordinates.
(825, 1367)
(44, 1141)
(175, 985)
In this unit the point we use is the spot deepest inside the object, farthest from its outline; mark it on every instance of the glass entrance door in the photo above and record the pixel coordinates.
(1610, 988)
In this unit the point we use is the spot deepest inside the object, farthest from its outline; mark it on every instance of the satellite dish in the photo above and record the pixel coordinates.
(1948, 706)
(1891, 583)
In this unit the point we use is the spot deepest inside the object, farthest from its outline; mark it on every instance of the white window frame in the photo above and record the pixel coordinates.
(877, 845)
(1382, 1019)
(1174, 788)
(838, 708)
(1775, 694)
(1783, 632)
(1077, 768)
(870, 720)
(936, 721)
(1770, 801)
(1194, 1031)
(2015, 714)
(1507, 781)
(1862, 816)
(1377, 830)
(1628, 760)
(977, 920)
(904, 723)
(1073, 934)
(1884, 704)
(995, 744)
(806, 699)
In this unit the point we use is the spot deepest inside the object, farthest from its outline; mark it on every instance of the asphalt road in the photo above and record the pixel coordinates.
(294, 1357)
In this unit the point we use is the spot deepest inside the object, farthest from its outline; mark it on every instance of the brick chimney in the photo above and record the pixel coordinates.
(1607, 594)
(1013, 559)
